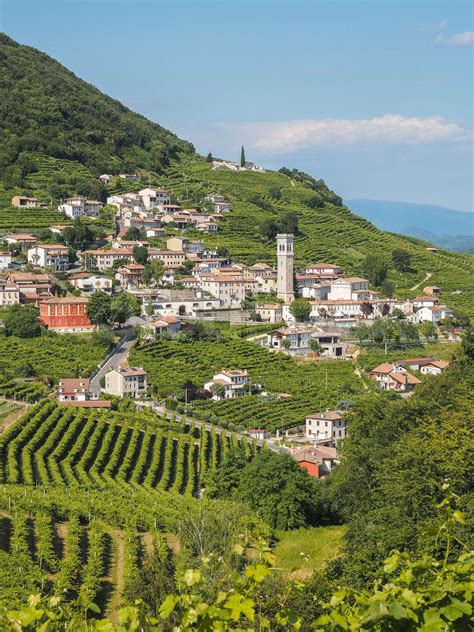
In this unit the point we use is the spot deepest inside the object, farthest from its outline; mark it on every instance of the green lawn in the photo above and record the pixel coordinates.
(302, 551)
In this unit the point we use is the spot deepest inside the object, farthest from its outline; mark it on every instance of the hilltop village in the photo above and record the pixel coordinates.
(152, 277)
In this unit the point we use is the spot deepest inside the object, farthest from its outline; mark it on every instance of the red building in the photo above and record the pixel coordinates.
(318, 461)
(66, 315)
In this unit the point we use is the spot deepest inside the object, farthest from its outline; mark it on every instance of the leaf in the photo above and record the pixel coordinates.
(192, 576)
(168, 606)
(239, 605)
(459, 517)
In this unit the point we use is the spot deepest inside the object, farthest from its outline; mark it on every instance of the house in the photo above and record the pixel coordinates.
(58, 229)
(427, 366)
(104, 259)
(21, 241)
(88, 282)
(267, 282)
(425, 301)
(9, 294)
(230, 291)
(345, 288)
(216, 197)
(316, 291)
(270, 313)
(433, 314)
(153, 197)
(328, 427)
(208, 227)
(130, 275)
(173, 302)
(183, 244)
(20, 201)
(297, 340)
(155, 232)
(74, 390)
(259, 434)
(75, 207)
(5, 260)
(66, 315)
(105, 178)
(51, 256)
(431, 289)
(169, 258)
(130, 177)
(322, 269)
(392, 377)
(164, 325)
(126, 382)
(32, 288)
(318, 461)
(229, 384)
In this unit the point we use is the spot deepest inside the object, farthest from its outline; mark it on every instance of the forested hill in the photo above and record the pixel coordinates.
(60, 133)
(46, 109)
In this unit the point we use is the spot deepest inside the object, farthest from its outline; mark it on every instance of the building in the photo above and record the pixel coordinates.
(318, 461)
(432, 314)
(153, 197)
(395, 378)
(229, 384)
(163, 326)
(432, 289)
(323, 269)
(169, 258)
(5, 260)
(126, 382)
(130, 275)
(328, 427)
(285, 257)
(104, 259)
(297, 340)
(51, 256)
(88, 282)
(9, 294)
(349, 288)
(130, 177)
(230, 291)
(23, 242)
(106, 178)
(20, 201)
(66, 315)
(425, 301)
(259, 434)
(171, 302)
(270, 313)
(80, 207)
(32, 288)
(427, 366)
(183, 244)
(77, 390)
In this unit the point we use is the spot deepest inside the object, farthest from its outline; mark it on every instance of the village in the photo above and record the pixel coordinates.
(185, 282)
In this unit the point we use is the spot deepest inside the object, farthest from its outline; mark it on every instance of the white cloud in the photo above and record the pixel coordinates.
(291, 136)
(460, 39)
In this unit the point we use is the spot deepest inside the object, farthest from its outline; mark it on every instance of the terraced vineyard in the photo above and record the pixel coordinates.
(310, 387)
(56, 445)
(17, 220)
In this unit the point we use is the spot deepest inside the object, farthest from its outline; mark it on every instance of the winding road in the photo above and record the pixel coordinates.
(428, 276)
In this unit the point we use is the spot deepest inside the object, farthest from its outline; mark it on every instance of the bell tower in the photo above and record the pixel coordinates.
(285, 258)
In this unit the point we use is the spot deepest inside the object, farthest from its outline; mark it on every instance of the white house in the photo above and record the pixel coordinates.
(88, 282)
(230, 291)
(74, 390)
(153, 197)
(433, 314)
(104, 259)
(5, 260)
(394, 378)
(80, 207)
(322, 269)
(51, 256)
(105, 178)
(234, 383)
(328, 427)
(270, 313)
(347, 288)
(126, 382)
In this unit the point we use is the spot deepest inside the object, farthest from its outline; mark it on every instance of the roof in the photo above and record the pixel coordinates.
(234, 372)
(405, 378)
(59, 300)
(21, 236)
(416, 361)
(91, 403)
(354, 279)
(69, 385)
(268, 306)
(323, 265)
(130, 370)
(383, 368)
(133, 266)
(112, 251)
(440, 364)
(329, 415)
(310, 454)
(52, 246)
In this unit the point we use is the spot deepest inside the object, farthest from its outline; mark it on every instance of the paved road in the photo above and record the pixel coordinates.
(160, 410)
(120, 356)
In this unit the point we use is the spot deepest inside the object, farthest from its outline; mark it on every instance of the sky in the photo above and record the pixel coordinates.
(375, 97)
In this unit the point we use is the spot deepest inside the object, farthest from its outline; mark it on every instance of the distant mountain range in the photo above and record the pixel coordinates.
(449, 228)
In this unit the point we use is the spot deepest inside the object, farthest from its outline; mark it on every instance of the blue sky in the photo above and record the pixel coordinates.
(374, 97)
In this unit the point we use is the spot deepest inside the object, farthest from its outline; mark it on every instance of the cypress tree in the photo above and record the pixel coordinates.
(242, 157)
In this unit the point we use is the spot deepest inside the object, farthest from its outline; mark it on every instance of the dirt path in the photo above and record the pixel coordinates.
(118, 562)
(12, 416)
(148, 543)
(428, 276)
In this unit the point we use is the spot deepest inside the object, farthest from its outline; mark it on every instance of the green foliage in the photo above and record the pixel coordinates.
(79, 236)
(375, 268)
(140, 254)
(300, 309)
(123, 307)
(99, 308)
(401, 259)
(22, 321)
(242, 157)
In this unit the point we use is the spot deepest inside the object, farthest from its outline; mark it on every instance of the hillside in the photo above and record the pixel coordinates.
(47, 112)
(60, 133)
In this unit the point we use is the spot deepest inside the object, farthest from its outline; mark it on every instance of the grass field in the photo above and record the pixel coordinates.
(301, 552)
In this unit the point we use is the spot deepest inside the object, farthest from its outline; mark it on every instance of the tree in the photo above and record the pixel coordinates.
(398, 314)
(428, 330)
(279, 491)
(133, 234)
(79, 235)
(99, 308)
(140, 254)
(269, 229)
(401, 259)
(289, 223)
(242, 157)
(286, 344)
(123, 307)
(387, 288)
(315, 201)
(22, 321)
(315, 346)
(375, 269)
(209, 157)
(367, 308)
(361, 332)
(158, 268)
(274, 192)
(300, 309)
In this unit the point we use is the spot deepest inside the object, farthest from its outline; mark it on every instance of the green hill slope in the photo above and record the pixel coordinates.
(60, 133)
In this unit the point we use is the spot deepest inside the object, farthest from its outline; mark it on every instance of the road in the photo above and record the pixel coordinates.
(428, 276)
(120, 356)
(159, 409)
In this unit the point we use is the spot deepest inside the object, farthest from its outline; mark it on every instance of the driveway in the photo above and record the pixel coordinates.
(120, 356)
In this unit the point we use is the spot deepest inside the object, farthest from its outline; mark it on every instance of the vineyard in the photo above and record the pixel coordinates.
(309, 387)
(18, 220)
(50, 356)
(55, 445)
